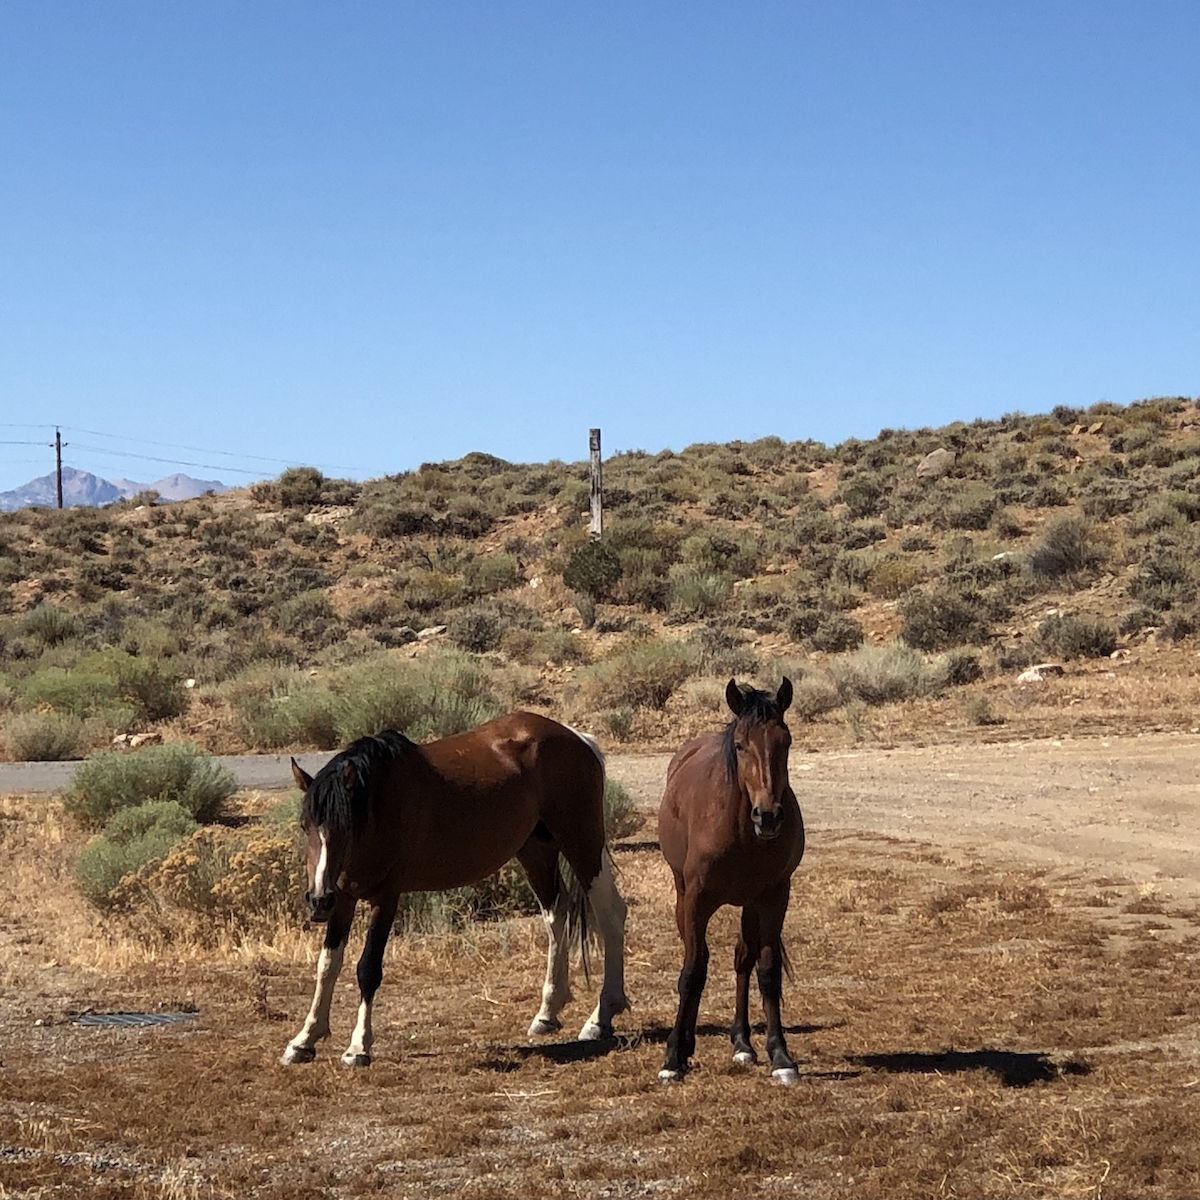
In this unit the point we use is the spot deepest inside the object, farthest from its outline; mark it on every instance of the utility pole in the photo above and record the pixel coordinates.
(58, 465)
(597, 485)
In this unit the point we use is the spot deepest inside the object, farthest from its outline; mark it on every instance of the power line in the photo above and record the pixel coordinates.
(195, 449)
(172, 462)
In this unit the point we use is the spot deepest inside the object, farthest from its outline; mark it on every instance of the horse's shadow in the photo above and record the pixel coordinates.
(1011, 1067)
(510, 1057)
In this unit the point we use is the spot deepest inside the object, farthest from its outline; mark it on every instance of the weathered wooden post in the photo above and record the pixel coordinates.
(597, 526)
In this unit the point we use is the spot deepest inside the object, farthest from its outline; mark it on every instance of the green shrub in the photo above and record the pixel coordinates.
(960, 667)
(298, 487)
(940, 619)
(80, 691)
(618, 722)
(104, 683)
(477, 629)
(152, 686)
(644, 576)
(892, 576)
(491, 573)
(884, 674)
(593, 570)
(297, 715)
(1165, 577)
(814, 695)
(620, 816)
(216, 882)
(132, 838)
(863, 496)
(692, 594)
(433, 697)
(971, 508)
(308, 616)
(640, 676)
(720, 652)
(49, 625)
(836, 632)
(110, 781)
(1076, 637)
(1065, 548)
(43, 736)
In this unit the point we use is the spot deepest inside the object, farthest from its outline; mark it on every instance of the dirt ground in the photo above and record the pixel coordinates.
(996, 993)
(1124, 804)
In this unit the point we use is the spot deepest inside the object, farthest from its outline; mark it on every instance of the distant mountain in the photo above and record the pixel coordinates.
(84, 488)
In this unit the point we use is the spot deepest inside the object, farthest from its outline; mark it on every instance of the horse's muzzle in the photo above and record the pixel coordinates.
(766, 822)
(320, 908)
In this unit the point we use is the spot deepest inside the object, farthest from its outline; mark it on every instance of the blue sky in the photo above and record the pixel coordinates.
(367, 235)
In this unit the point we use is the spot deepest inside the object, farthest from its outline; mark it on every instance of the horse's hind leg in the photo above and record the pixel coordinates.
(744, 958)
(609, 910)
(539, 857)
(370, 975)
(303, 1047)
(772, 910)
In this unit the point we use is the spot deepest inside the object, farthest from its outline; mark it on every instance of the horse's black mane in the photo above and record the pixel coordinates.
(757, 708)
(329, 802)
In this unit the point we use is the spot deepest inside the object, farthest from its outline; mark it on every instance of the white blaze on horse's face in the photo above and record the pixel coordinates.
(322, 865)
(762, 751)
(321, 875)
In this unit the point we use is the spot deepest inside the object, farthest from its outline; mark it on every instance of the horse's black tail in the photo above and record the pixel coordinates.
(785, 962)
(580, 930)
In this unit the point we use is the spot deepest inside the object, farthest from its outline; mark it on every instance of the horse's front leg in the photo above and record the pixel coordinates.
(303, 1047)
(681, 1042)
(370, 975)
(744, 958)
(770, 984)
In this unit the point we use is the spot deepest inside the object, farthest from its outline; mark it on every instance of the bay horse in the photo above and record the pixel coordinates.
(388, 816)
(731, 832)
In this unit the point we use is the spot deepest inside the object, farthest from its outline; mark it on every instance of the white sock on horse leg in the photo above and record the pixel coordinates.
(609, 910)
(556, 991)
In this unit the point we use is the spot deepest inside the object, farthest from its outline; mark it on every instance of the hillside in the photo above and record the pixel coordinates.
(902, 582)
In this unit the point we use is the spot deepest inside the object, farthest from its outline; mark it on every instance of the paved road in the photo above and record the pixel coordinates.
(1129, 807)
(265, 771)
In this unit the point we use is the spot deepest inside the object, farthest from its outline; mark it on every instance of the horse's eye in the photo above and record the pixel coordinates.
(740, 747)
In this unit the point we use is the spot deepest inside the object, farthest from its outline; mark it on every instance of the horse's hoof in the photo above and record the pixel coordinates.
(541, 1027)
(745, 1058)
(670, 1075)
(356, 1060)
(595, 1032)
(786, 1076)
(298, 1054)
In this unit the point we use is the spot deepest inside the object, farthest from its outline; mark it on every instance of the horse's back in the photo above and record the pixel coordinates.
(519, 745)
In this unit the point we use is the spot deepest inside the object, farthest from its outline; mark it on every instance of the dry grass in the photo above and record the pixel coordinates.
(964, 1029)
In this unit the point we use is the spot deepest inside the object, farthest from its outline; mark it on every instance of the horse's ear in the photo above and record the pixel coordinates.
(301, 776)
(349, 777)
(734, 697)
(783, 697)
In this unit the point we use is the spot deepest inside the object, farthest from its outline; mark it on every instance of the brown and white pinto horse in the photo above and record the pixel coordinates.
(731, 831)
(388, 816)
